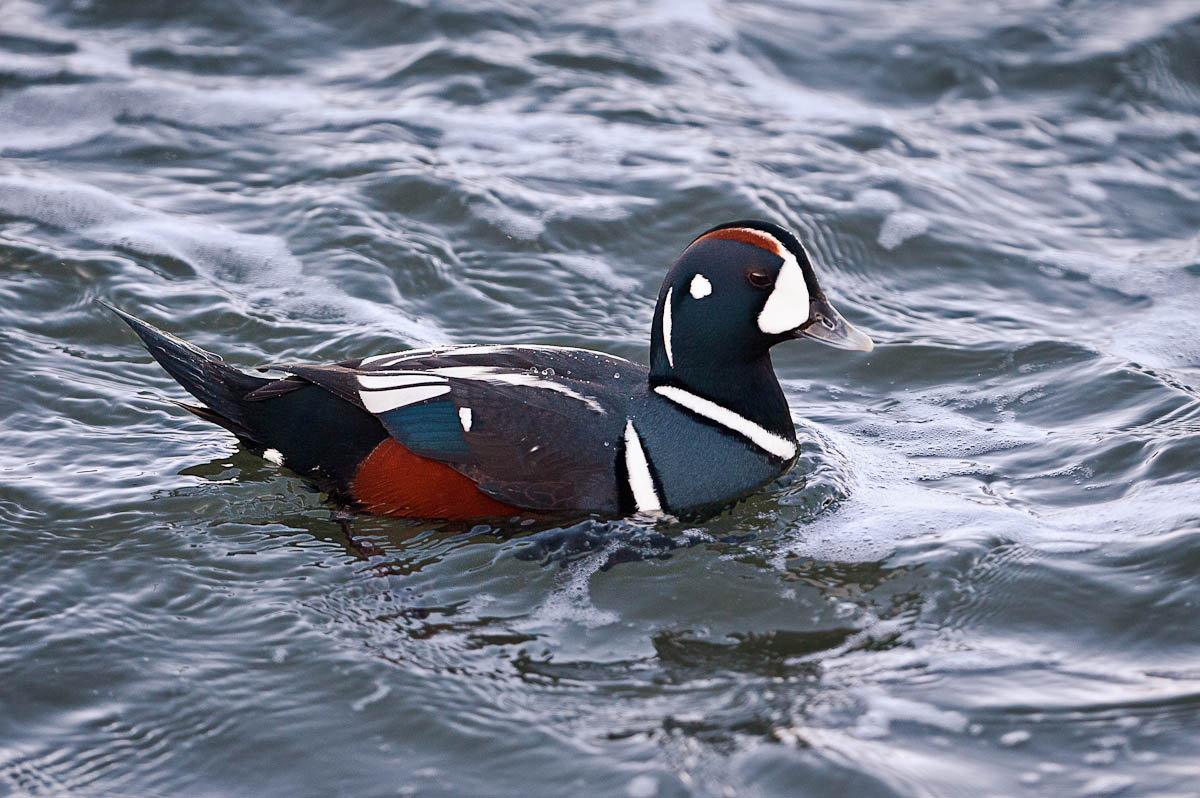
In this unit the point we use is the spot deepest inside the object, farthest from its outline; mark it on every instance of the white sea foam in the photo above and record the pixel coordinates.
(258, 267)
(899, 495)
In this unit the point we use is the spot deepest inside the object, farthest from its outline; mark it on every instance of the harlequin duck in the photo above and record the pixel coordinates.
(476, 431)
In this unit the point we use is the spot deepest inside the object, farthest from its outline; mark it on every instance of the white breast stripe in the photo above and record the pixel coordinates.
(464, 418)
(762, 438)
(666, 328)
(383, 401)
(641, 484)
(787, 306)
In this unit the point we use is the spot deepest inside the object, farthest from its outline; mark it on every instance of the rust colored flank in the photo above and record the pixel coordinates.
(394, 481)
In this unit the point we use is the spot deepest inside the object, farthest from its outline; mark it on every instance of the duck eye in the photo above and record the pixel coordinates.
(758, 279)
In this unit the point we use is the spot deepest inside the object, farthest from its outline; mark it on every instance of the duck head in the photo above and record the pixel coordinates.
(736, 291)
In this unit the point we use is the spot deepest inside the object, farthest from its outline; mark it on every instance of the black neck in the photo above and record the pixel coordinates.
(713, 361)
(749, 389)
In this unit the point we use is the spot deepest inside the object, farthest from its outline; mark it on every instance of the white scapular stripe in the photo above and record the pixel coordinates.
(787, 306)
(666, 327)
(528, 380)
(762, 438)
(641, 484)
(374, 382)
(464, 418)
(392, 358)
(700, 287)
(389, 390)
(273, 456)
(383, 401)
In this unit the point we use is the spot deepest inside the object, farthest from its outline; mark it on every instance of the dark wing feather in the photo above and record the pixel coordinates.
(338, 380)
(275, 389)
(534, 428)
(536, 448)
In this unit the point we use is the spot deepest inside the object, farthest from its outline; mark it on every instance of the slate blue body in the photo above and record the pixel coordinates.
(699, 466)
(553, 429)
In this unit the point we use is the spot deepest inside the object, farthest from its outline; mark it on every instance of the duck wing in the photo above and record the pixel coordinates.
(534, 427)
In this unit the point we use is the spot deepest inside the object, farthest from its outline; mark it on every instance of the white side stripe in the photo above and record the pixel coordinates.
(762, 438)
(383, 401)
(641, 484)
(666, 328)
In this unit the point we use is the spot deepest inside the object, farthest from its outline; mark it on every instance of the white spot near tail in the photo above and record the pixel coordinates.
(700, 287)
(273, 456)
(464, 418)
(641, 483)
(666, 327)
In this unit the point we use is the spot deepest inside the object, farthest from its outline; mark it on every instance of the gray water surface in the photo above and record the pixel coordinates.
(980, 580)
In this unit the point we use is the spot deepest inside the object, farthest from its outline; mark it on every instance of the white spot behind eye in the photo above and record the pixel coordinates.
(700, 287)
(787, 306)
(273, 456)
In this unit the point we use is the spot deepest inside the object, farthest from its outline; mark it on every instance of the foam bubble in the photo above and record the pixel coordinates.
(571, 600)
(642, 786)
(901, 226)
(877, 200)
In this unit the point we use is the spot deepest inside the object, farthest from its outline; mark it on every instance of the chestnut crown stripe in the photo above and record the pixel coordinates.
(747, 235)
(787, 306)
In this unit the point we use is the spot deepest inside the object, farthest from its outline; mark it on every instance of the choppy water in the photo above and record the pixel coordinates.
(981, 581)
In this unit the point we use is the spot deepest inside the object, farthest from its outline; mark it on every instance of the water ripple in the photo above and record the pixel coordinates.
(979, 576)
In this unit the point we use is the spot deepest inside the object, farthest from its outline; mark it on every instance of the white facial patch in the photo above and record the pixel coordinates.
(273, 456)
(787, 306)
(700, 287)
(666, 328)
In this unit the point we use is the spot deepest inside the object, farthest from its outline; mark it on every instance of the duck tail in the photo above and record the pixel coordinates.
(206, 376)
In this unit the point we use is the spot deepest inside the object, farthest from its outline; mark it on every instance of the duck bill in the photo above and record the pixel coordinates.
(827, 326)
